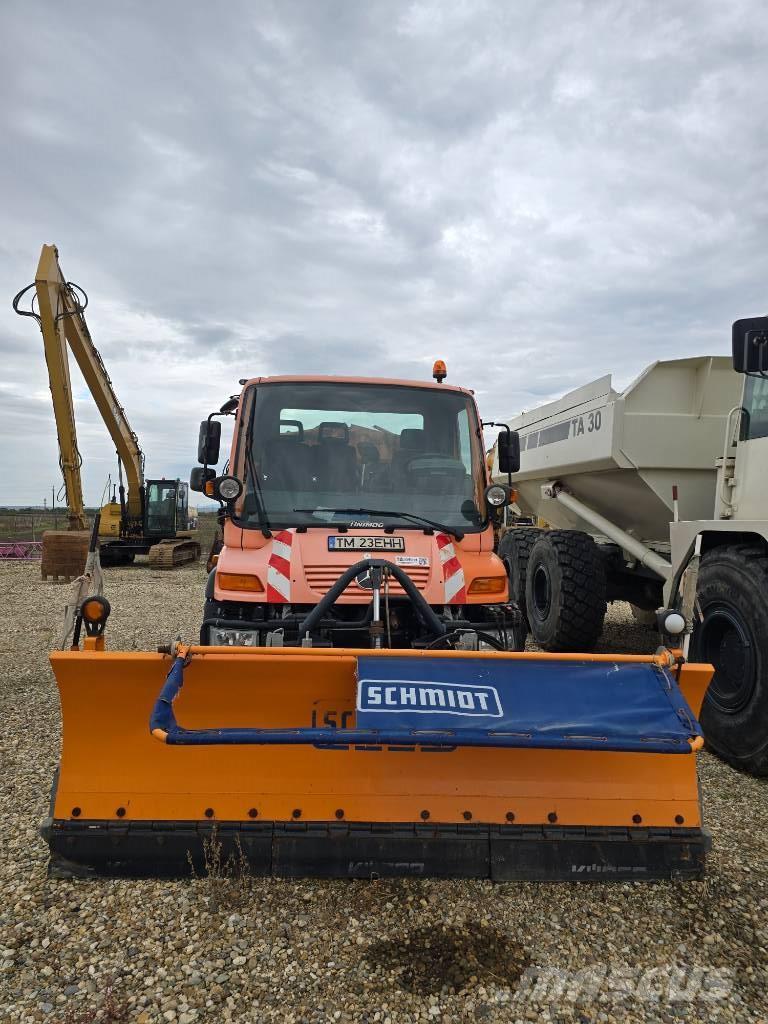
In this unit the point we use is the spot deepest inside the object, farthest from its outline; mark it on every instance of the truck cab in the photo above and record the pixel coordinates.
(742, 484)
(731, 623)
(332, 473)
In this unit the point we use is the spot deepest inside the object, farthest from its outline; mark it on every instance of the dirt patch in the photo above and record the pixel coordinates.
(429, 959)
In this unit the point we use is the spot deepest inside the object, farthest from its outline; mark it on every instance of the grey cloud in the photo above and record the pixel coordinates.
(538, 193)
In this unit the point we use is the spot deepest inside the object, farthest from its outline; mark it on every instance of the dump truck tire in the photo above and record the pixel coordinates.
(514, 549)
(565, 591)
(733, 636)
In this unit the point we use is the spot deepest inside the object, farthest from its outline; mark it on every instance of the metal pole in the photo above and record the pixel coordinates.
(604, 526)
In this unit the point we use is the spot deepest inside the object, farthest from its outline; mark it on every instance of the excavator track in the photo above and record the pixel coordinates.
(168, 554)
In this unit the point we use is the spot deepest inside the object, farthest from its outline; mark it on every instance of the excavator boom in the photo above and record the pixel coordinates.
(62, 320)
(48, 285)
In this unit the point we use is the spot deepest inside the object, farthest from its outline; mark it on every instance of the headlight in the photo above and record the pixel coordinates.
(233, 637)
(671, 622)
(229, 488)
(497, 495)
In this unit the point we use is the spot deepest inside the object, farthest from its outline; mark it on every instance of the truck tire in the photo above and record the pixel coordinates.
(565, 591)
(733, 636)
(514, 549)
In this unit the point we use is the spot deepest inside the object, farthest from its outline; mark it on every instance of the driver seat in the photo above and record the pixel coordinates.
(412, 443)
(336, 458)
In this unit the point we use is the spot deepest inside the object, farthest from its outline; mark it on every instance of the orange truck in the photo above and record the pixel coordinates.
(381, 482)
(358, 705)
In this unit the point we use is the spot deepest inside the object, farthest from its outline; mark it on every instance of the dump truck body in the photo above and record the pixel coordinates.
(622, 453)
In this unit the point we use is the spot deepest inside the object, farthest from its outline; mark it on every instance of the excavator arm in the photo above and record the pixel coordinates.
(61, 321)
(54, 340)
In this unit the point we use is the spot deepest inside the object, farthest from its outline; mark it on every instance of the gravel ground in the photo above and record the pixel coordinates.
(387, 951)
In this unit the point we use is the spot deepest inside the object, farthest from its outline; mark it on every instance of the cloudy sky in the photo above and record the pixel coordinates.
(537, 192)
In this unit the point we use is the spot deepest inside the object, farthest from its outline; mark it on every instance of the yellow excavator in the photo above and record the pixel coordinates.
(151, 517)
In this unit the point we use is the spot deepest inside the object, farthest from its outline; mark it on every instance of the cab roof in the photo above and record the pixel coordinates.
(320, 379)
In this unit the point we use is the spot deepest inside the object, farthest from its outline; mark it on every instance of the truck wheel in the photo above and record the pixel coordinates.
(733, 636)
(565, 591)
(514, 550)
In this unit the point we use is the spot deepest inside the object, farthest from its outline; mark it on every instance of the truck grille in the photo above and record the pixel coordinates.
(321, 578)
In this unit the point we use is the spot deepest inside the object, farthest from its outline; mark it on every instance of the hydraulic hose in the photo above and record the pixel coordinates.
(423, 610)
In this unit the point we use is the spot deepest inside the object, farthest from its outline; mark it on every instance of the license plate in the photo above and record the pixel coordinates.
(343, 543)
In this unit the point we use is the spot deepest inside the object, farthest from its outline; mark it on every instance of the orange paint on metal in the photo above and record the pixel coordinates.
(110, 759)
(313, 568)
(316, 378)
(664, 660)
(693, 680)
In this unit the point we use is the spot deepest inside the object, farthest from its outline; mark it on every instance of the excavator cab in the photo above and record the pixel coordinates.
(167, 508)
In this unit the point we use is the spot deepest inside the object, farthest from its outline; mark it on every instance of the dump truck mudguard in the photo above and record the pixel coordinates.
(126, 804)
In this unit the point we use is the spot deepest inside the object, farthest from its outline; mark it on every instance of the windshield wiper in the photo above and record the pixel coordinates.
(457, 534)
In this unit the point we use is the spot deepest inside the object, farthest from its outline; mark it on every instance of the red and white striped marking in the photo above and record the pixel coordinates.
(453, 574)
(279, 569)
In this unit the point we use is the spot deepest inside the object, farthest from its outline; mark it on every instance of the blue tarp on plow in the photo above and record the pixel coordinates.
(593, 705)
(480, 702)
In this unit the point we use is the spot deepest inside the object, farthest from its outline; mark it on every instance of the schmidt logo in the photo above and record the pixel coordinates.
(394, 695)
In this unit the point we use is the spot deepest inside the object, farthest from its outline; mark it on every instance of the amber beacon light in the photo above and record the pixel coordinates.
(439, 372)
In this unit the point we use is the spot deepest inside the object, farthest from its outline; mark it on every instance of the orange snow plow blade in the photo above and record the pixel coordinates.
(322, 762)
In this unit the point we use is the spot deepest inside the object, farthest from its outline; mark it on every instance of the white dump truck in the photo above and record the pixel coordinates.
(637, 486)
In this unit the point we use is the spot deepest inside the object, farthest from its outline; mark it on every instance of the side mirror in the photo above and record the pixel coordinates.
(199, 477)
(209, 442)
(508, 451)
(750, 345)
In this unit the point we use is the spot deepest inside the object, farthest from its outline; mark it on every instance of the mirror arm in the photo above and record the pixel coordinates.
(504, 426)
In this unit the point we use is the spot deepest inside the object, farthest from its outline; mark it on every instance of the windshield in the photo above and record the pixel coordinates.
(391, 448)
(754, 419)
